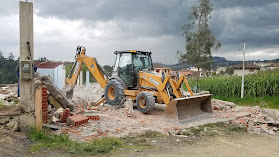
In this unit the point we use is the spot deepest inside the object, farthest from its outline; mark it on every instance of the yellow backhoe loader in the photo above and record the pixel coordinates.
(133, 77)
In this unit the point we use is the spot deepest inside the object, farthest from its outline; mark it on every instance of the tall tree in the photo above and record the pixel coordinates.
(199, 39)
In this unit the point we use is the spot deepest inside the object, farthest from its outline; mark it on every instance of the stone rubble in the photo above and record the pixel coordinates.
(222, 105)
(261, 121)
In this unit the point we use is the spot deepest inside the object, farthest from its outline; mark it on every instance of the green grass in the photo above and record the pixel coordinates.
(43, 139)
(265, 102)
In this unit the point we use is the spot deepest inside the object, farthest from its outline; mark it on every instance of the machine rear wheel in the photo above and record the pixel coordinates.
(114, 92)
(145, 102)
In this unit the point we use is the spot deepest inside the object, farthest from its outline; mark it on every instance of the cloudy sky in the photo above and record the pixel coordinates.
(103, 26)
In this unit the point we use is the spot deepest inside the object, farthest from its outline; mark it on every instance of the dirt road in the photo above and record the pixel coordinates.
(240, 145)
(244, 145)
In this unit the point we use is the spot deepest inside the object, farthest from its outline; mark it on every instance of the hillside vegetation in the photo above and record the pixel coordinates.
(8, 69)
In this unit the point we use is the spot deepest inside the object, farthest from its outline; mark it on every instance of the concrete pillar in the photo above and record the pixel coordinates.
(81, 77)
(27, 93)
(87, 77)
(78, 82)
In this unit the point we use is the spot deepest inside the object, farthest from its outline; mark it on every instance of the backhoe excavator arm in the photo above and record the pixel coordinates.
(92, 65)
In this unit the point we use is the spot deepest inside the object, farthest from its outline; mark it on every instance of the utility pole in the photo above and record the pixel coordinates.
(27, 92)
(242, 85)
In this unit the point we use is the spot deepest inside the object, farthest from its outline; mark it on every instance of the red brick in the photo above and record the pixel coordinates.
(92, 116)
(44, 91)
(44, 97)
(44, 88)
(44, 94)
(77, 120)
(65, 114)
(81, 107)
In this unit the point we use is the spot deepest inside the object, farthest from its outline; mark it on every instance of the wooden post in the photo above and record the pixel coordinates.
(38, 108)
(27, 93)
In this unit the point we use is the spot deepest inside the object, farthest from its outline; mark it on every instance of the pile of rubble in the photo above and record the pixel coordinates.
(58, 110)
(8, 95)
(262, 121)
(222, 105)
(89, 93)
(9, 112)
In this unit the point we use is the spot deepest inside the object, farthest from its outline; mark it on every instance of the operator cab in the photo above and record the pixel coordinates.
(128, 64)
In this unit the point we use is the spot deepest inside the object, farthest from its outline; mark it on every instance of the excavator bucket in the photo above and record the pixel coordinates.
(69, 91)
(189, 109)
(69, 94)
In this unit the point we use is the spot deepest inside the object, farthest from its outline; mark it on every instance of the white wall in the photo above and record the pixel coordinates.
(239, 72)
(58, 75)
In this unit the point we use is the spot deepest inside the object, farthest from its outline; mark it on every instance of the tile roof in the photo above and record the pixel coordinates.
(47, 65)
(247, 66)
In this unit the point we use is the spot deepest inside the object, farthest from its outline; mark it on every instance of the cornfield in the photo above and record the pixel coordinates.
(264, 83)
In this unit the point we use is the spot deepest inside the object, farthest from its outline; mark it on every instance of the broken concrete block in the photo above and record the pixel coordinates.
(56, 93)
(55, 103)
(77, 120)
(267, 118)
(271, 113)
(275, 129)
(13, 126)
(55, 119)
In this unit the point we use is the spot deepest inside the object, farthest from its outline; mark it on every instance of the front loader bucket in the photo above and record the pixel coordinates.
(189, 109)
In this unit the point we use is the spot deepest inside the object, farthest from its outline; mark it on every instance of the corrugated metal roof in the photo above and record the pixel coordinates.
(47, 65)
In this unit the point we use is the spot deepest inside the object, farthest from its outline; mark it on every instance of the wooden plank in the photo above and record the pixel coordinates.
(38, 108)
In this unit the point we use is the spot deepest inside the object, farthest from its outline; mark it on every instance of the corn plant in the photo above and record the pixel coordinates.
(264, 83)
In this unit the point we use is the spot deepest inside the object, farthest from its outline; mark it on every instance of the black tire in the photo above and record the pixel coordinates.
(114, 93)
(145, 102)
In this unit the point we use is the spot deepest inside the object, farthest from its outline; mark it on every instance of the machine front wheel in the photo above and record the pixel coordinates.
(145, 102)
(114, 92)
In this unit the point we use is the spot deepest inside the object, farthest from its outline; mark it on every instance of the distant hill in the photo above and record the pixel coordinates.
(218, 62)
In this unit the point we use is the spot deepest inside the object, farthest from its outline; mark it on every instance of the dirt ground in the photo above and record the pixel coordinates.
(220, 146)
(17, 144)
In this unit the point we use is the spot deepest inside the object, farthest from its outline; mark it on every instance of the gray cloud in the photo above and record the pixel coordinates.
(108, 25)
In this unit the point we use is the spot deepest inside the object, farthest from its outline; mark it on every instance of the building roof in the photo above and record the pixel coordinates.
(47, 65)
(247, 66)
(187, 71)
(160, 66)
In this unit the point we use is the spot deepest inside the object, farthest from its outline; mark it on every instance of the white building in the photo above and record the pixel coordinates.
(55, 70)
(250, 68)
(219, 69)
